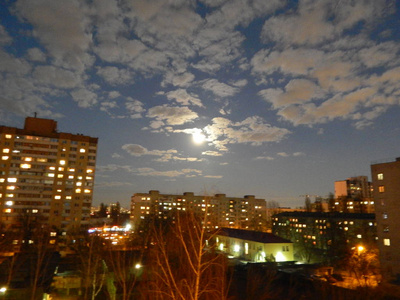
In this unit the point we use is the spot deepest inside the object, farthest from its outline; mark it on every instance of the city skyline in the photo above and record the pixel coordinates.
(288, 97)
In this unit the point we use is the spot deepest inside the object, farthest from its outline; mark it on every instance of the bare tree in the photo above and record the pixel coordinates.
(180, 263)
(125, 268)
(90, 251)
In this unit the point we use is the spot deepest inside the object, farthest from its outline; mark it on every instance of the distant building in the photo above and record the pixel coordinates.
(253, 246)
(320, 234)
(386, 183)
(353, 195)
(231, 212)
(45, 175)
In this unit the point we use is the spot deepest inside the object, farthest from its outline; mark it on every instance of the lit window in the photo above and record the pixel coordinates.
(11, 179)
(381, 188)
(62, 162)
(27, 158)
(5, 157)
(2, 179)
(82, 150)
(79, 183)
(9, 203)
(60, 175)
(71, 169)
(60, 169)
(25, 166)
(6, 150)
(8, 136)
(57, 197)
(11, 187)
(8, 210)
(53, 233)
(68, 197)
(384, 215)
(359, 236)
(34, 211)
(89, 171)
(41, 159)
(386, 242)
(380, 176)
(78, 191)
(50, 174)
(70, 176)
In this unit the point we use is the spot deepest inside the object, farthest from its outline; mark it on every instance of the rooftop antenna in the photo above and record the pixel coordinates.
(35, 114)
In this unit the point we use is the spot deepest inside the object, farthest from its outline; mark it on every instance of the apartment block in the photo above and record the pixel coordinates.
(322, 235)
(386, 183)
(46, 176)
(353, 195)
(222, 211)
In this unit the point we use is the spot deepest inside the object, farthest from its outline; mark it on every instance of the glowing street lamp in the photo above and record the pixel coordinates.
(360, 249)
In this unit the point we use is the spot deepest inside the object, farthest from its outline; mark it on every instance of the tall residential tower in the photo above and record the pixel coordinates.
(386, 183)
(45, 175)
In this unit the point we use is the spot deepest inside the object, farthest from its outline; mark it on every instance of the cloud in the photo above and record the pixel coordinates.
(57, 77)
(252, 130)
(134, 107)
(298, 154)
(182, 80)
(138, 150)
(35, 54)
(264, 157)
(315, 22)
(283, 154)
(62, 27)
(108, 184)
(297, 91)
(212, 153)
(213, 176)
(218, 88)
(115, 76)
(172, 115)
(171, 173)
(181, 96)
(84, 97)
(4, 36)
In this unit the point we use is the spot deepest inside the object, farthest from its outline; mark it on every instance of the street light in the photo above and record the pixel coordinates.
(360, 249)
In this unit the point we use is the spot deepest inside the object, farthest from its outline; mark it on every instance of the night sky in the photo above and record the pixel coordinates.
(268, 98)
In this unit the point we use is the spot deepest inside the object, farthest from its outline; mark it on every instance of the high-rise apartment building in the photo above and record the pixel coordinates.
(353, 195)
(231, 212)
(45, 175)
(386, 183)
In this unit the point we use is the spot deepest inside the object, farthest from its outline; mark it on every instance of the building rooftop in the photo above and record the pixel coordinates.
(255, 236)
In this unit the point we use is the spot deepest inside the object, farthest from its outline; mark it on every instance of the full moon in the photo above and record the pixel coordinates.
(198, 138)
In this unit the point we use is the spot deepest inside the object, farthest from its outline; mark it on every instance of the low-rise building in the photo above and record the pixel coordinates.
(253, 246)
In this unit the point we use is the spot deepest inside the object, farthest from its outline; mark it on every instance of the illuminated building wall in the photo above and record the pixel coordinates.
(321, 230)
(46, 175)
(386, 183)
(245, 213)
(253, 246)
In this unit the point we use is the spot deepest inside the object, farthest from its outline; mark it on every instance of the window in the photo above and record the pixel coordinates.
(380, 176)
(384, 215)
(386, 242)
(381, 188)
